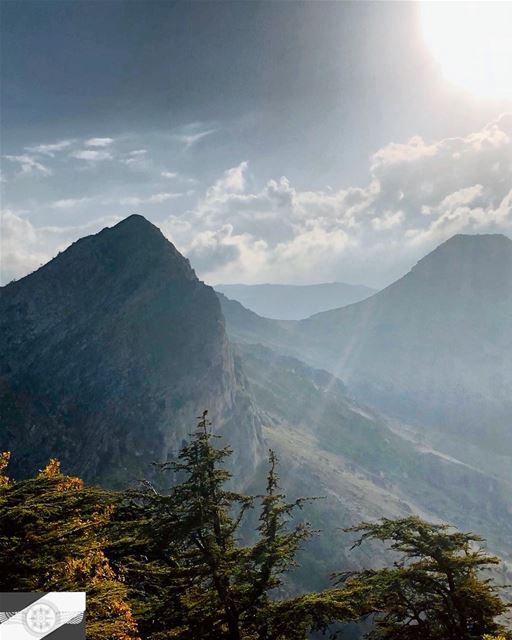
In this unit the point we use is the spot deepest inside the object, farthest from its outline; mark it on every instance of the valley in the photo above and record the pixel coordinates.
(111, 350)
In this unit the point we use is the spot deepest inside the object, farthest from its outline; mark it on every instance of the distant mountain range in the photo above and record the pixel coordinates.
(110, 351)
(433, 348)
(294, 302)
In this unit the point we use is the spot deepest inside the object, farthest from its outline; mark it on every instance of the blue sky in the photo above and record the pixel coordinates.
(271, 141)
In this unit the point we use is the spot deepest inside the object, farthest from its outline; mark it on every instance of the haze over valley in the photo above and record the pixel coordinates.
(378, 406)
(256, 320)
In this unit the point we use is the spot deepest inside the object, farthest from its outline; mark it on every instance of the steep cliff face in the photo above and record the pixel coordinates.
(109, 352)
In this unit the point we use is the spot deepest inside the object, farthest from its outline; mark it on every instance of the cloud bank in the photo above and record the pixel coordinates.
(418, 193)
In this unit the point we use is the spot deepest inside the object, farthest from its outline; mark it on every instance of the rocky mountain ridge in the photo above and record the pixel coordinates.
(111, 350)
(108, 354)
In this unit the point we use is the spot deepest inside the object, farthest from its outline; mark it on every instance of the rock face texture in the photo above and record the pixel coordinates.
(108, 354)
(110, 351)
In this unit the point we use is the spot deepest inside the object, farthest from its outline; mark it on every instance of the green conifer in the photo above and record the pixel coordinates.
(213, 586)
(435, 589)
(52, 538)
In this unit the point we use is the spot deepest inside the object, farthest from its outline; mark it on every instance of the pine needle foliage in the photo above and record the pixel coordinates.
(179, 564)
(435, 590)
(52, 538)
(215, 587)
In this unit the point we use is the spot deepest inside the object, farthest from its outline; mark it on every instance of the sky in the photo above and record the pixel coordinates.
(293, 142)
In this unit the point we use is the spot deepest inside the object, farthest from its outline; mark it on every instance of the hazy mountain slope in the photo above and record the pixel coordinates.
(333, 447)
(436, 346)
(433, 348)
(246, 326)
(109, 352)
(294, 302)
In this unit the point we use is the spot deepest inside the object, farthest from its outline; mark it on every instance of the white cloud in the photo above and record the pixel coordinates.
(69, 203)
(396, 154)
(191, 134)
(163, 197)
(29, 165)
(174, 175)
(467, 209)
(388, 220)
(99, 142)
(24, 247)
(232, 181)
(91, 155)
(137, 160)
(50, 149)
(418, 194)
(19, 253)
(193, 138)
(156, 198)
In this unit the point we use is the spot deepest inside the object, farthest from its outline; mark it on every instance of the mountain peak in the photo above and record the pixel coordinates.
(477, 239)
(135, 223)
(132, 249)
(135, 218)
(135, 229)
(108, 354)
(473, 242)
(484, 259)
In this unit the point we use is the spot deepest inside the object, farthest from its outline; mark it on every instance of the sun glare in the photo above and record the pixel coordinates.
(472, 42)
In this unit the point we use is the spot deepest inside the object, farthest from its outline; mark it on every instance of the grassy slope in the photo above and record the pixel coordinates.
(330, 446)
